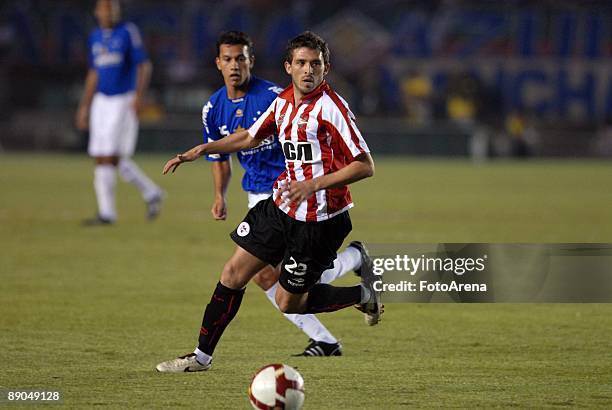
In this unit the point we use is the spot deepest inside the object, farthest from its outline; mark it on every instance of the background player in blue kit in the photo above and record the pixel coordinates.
(235, 106)
(117, 79)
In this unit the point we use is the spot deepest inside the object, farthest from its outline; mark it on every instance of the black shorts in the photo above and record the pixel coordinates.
(306, 249)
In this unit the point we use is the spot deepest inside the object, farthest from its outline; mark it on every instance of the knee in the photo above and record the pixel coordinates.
(288, 305)
(230, 277)
(285, 307)
(108, 160)
(266, 278)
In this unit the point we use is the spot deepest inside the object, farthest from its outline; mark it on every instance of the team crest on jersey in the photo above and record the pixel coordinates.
(239, 113)
(243, 229)
(303, 121)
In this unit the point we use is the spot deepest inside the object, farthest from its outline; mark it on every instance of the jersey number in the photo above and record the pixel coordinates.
(294, 268)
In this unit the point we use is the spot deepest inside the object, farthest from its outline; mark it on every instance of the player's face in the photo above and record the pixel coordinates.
(307, 69)
(235, 64)
(107, 13)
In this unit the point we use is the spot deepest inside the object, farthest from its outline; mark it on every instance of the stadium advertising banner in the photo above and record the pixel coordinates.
(580, 90)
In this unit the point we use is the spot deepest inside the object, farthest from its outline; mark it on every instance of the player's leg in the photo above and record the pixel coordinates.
(226, 299)
(260, 243)
(103, 147)
(219, 312)
(104, 186)
(151, 192)
(128, 170)
(347, 260)
(311, 249)
(322, 342)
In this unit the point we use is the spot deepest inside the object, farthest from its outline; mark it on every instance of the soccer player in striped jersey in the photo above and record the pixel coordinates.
(118, 76)
(305, 221)
(237, 105)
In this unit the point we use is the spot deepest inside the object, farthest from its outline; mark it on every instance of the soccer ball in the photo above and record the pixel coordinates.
(277, 386)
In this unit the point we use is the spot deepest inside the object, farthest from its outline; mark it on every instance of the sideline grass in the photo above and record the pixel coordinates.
(91, 311)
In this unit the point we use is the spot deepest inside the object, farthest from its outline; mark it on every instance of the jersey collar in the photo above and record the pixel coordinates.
(240, 99)
(288, 95)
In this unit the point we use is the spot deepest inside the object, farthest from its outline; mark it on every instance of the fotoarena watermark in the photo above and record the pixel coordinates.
(477, 272)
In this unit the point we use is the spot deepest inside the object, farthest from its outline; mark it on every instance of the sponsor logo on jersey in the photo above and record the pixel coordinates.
(266, 141)
(298, 151)
(279, 122)
(107, 59)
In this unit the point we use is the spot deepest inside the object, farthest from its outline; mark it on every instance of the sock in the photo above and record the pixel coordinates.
(328, 298)
(130, 172)
(222, 308)
(308, 323)
(202, 357)
(346, 261)
(104, 185)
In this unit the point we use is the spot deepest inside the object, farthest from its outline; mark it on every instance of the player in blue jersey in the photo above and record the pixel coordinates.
(118, 76)
(237, 105)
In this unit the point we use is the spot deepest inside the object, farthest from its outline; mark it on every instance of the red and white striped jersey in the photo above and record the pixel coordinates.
(318, 136)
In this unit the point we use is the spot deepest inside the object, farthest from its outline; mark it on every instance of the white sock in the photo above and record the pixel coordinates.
(130, 172)
(346, 261)
(308, 324)
(104, 185)
(202, 357)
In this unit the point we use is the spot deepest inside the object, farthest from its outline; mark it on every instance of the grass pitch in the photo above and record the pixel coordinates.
(91, 311)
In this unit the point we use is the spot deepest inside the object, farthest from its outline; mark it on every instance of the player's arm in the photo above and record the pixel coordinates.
(235, 142)
(222, 173)
(82, 114)
(362, 167)
(143, 78)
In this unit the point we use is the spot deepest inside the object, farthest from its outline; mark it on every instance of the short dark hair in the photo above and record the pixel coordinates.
(235, 37)
(310, 40)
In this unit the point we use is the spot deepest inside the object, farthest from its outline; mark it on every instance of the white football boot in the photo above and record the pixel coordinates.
(373, 309)
(182, 364)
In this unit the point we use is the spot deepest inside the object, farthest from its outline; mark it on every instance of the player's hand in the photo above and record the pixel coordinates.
(191, 155)
(219, 209)
(81, 119)
(298, 191)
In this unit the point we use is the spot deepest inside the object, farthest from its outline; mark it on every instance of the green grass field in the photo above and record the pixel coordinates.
(90, 311)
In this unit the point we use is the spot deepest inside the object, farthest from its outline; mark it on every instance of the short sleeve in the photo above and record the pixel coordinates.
(137, 51)
(265, 124)
(341, 122)
(210, 131)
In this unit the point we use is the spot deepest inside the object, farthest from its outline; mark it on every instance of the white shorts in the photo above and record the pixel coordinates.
(113, 126)
(254, 198)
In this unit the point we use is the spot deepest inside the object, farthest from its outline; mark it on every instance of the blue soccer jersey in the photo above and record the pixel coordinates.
(222, 116)
(114, 54)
